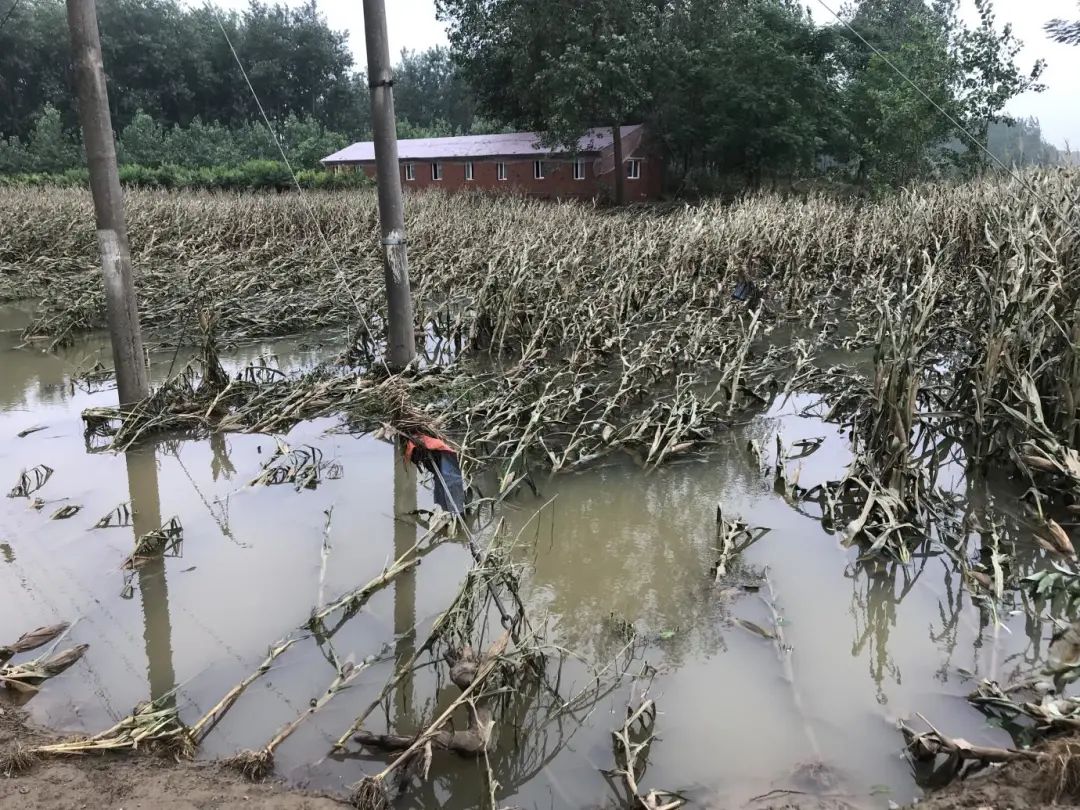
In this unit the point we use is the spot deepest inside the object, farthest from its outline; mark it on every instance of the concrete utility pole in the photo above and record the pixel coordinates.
(400, 340)
(121, 305)
(620, 177)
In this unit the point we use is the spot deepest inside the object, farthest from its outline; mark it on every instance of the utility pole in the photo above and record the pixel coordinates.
(400, 340)
(620, 178)
(121, 305)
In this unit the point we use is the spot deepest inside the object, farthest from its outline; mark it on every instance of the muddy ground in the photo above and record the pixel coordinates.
(135, 783)
(1015, 786)
(149, 783)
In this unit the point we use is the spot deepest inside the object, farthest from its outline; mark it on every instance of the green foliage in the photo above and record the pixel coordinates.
(964, 76)
(255, 175)
(711, 117)
(431, 94)
(1066, 32)
(753, 88)
(173, 62)
(559, 67)
(147, 145)
(49, 147)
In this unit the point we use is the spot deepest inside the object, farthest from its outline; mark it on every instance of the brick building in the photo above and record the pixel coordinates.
(516, 161)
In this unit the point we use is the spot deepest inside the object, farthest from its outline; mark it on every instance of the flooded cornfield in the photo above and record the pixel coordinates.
(773, 539)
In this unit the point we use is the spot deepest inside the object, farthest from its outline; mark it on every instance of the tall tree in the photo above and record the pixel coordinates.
(557, 66)
(173, 63)
(915, 77)
(707, 112)
(429, 91)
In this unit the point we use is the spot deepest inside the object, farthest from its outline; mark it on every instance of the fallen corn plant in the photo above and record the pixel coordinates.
(31, 640)
(733, 537)
(165, 541)
(28, 676)
(257, 765)
(302, 467)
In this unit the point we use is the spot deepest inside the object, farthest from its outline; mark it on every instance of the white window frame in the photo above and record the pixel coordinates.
(436, 170)
(469, 175)
(579, 169)
(500, 170)
(633, 169)
(410, 171)
(538, 170)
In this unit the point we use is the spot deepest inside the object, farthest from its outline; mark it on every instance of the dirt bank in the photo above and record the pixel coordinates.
(1013, 786)
(135, 782)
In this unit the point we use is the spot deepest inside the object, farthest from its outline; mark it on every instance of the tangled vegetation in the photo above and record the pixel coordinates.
(557, 333)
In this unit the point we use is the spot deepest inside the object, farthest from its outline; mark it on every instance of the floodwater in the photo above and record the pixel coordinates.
(867, 643)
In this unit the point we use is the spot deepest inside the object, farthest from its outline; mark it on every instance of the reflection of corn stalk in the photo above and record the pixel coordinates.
(93, 379)
(166, 541)
(30, 481)
(304, 467)
(732, 538)
(119, 517)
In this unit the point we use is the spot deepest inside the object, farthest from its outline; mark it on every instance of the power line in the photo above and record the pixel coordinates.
(952, 120)
(339, 273)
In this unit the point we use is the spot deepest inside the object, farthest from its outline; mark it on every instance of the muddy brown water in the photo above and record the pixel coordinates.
(612, 545)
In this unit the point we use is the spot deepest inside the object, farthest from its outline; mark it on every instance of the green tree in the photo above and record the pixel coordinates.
(1020, 143)
(174, 64)
(13, 156)
(709, 115)
(429, 88)
(915, 77)
(143, 141)
(1064, 31)
(51, 148)
(306, 142)
(556, 66)
(33, 62)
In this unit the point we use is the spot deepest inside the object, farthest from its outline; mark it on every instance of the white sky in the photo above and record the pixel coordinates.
(412, 25)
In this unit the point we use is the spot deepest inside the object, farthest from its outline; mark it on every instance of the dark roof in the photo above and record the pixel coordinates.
(513, 144)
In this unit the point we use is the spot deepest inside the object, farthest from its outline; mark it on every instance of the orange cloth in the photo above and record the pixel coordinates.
(429, 443)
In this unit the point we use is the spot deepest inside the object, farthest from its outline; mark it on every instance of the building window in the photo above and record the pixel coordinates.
(410, 171)
(633, 170)
(579, 169)
(538, 170)
(436, 171)
(469, 170)
(501, 168)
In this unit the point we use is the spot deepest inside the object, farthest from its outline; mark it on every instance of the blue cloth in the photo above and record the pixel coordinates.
(452, 496)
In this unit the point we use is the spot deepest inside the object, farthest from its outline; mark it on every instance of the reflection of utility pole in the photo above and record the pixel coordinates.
(404, 585)
(153, 589)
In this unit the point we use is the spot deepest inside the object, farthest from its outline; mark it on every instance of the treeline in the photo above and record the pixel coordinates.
(179, 100)
(752, 90)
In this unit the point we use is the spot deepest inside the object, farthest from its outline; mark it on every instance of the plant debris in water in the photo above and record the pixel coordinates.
(540, 352)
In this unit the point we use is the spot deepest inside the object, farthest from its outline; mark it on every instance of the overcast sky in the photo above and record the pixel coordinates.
(412, 25)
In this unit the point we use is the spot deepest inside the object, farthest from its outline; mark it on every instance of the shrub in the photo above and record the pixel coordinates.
(255, 175)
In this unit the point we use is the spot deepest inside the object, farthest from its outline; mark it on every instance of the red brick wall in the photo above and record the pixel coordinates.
(558, 179)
